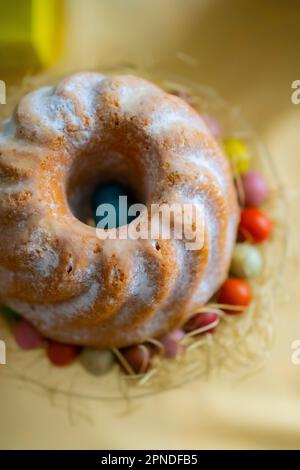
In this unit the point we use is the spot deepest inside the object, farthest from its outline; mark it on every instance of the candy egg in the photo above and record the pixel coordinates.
(110, 193)
(26, 336)
(255, 226)
(171, 343)
(202, 320)
(138, 357)
(8, 312)
(61, 354)
(97, 361)
(238, 155)
(255, 188)
(177, 334)
(212, 124)
(246, 261)
(237, 292)
(183, 94)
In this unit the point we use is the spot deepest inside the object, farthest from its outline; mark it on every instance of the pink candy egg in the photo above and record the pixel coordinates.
(255, 188)
(171, 343)
(201, 320)
(212, 124)
(26, 336)
(176, 335)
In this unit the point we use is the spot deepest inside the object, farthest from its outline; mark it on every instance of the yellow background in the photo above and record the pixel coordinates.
(250, 52)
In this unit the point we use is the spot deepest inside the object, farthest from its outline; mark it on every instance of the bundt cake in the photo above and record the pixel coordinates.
(59, 145)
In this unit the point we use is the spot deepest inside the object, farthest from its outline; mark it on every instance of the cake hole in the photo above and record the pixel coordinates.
(118, 199)
(106, 204)
(110, 180)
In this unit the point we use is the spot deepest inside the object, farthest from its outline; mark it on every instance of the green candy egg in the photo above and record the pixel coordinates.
(97, 361)
(246, 261)
(8, 312)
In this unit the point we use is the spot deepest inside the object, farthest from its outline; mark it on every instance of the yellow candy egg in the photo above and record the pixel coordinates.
(238, 154)
(246, 261)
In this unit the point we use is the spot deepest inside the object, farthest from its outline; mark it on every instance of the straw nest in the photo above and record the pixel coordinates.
(241, 343)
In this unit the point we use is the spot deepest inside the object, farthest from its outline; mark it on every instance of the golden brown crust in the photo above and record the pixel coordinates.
(53, 268)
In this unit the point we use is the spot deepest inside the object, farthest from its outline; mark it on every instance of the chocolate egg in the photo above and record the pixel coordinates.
(138, 357)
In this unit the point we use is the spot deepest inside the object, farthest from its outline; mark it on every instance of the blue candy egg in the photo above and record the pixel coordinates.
(110, 193)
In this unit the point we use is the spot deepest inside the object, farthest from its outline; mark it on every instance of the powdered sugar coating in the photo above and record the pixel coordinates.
(53, 269)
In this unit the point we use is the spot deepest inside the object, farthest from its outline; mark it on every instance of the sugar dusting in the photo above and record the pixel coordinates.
(42, 258)
(50, 315)
(166, 120)
(70, 113)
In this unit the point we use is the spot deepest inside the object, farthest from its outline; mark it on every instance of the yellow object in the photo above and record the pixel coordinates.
(30, 33)
(246, 261)
(238, 155)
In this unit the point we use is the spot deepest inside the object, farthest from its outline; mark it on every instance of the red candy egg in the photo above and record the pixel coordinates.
(237, 292)
(62, 354)
(201, 320)
(255, 226)
(26, 336)
(255, 188)
(138, 357)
